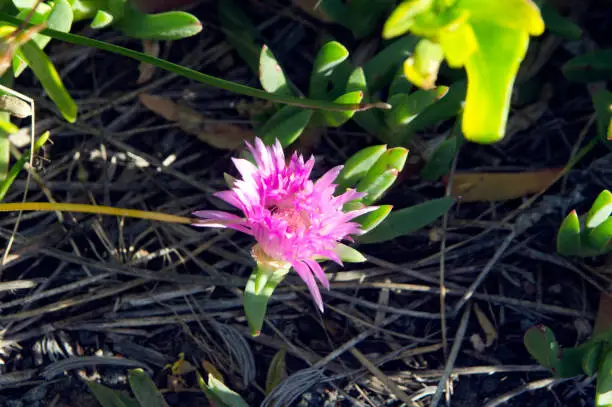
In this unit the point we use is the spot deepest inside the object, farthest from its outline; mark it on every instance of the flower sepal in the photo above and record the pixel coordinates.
(264, 279)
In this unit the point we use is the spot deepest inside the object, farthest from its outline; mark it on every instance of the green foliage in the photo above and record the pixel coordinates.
(590, 67)
(146, 393)
(6, 183)
(49, 78)
(408, 220)
(257, 293)
(219, 394)
(488, 38)
(591, 235)
(359, 16)
(593, 356)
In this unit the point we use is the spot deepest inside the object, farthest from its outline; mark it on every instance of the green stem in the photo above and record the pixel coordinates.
(195, 75)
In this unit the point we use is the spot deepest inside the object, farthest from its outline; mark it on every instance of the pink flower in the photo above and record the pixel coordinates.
(294, 220)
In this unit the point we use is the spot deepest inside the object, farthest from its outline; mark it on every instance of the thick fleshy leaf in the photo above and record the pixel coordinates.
(337, 119)
(380, 69)
(271, 74)
(376, 188)
(228, 397)
(558, 24)
(599, 238)
(541, 344)
(358, 165)
(514, 14)
(371, 220)
(400, 84)
(240, 32)
(109, 397)
(348, 254)
(145, 390)
(27, 5)
(382, 174)
(440, 162)
(102, 19)
(402, 18)
(603, 389)
(568, 237)
(406, 107)
(602, 102)
(422, 68)
(277, 372)
(600, 210)
(49, 78)
(60, 18)
(286, 125)
(257, 293)
(6, 183)
(591, 359)
(171, 25)
(328, 58)
(491, 72)
(5, 151)
(590, 67)
(444, 108)
(408, 220)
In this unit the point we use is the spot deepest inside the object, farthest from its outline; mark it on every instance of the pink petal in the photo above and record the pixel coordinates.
(225, 219)
(306, 275)
(231, 198)
(318, 272)
(328, 178)
(246, 168)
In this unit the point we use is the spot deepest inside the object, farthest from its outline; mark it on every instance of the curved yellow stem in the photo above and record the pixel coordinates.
(100, 210)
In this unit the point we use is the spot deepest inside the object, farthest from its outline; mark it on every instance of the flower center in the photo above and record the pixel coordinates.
(296, 219)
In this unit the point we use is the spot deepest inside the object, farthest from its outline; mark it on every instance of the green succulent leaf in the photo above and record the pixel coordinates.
(171, 25)
(337, 119)
(5, 183)
(102, 19)
(599, 237)
(277, 372)
(591, 358)
(600, 210)
(228, 397)
(271, 74)
(145, 390)
(240, 32)
(257, 293)
(5, 150)
(541, 343)
(491, 72)
(558, 24)
(382, 174)
(408, 220)
(286, 125)
(603, 389)
(328, 58)
(403, 17)
(380, 69)
(590, 67)
(602, 101)
(440, 162)
(348, 254)
(358, 165)
(46, 73)
(406, 107)
(568, 237)
(109, 397)
(371, 220)
(442, 109)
